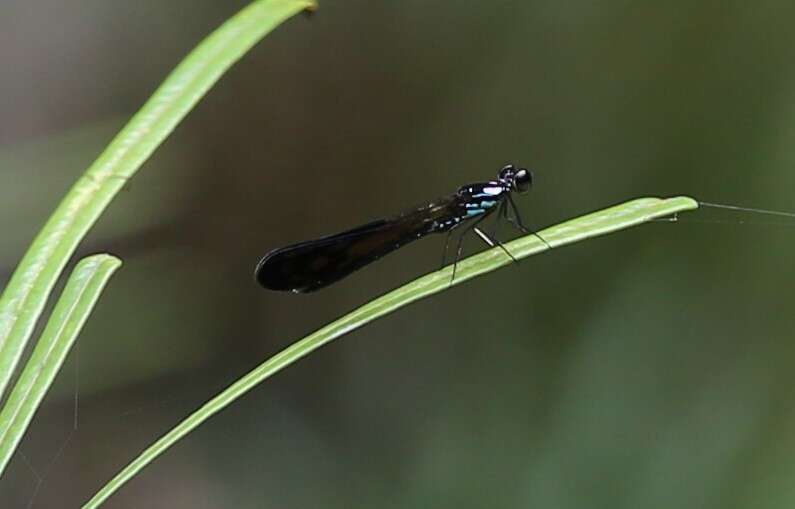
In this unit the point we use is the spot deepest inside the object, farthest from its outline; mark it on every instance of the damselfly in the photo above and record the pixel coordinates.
(311, 265)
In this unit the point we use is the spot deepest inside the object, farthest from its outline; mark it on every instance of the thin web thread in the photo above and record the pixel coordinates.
(719, 221)
(675, 218)
(77, 386)
(747, 209)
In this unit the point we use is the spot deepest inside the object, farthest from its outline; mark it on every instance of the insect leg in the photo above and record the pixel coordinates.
(502, 213)
(446, 245)
(494, 242)
(460, 246)
(517, 222)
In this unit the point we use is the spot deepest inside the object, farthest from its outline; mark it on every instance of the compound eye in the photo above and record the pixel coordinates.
(523, 180)
(507, 172)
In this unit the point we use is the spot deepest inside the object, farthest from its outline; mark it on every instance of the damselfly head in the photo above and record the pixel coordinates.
(519, 179)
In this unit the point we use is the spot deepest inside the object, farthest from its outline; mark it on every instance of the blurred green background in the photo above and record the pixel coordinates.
(651, 368)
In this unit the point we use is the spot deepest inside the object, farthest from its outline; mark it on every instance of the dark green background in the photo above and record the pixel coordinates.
(651, 368)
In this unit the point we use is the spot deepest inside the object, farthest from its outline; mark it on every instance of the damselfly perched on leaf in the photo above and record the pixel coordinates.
(311, 265)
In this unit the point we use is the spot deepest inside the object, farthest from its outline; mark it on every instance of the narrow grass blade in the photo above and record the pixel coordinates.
(23, 299)
(71, 312)
(598, 223)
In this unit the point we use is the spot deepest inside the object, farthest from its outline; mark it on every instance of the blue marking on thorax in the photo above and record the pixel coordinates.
(474, 209)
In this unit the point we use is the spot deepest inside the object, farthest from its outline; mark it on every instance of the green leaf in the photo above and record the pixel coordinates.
(70, 314)
(24, 298)
(598, 223)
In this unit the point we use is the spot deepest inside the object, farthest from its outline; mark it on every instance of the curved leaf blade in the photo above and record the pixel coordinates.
(70, 314)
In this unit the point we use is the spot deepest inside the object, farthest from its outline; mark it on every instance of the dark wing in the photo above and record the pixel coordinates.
(309, 266)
